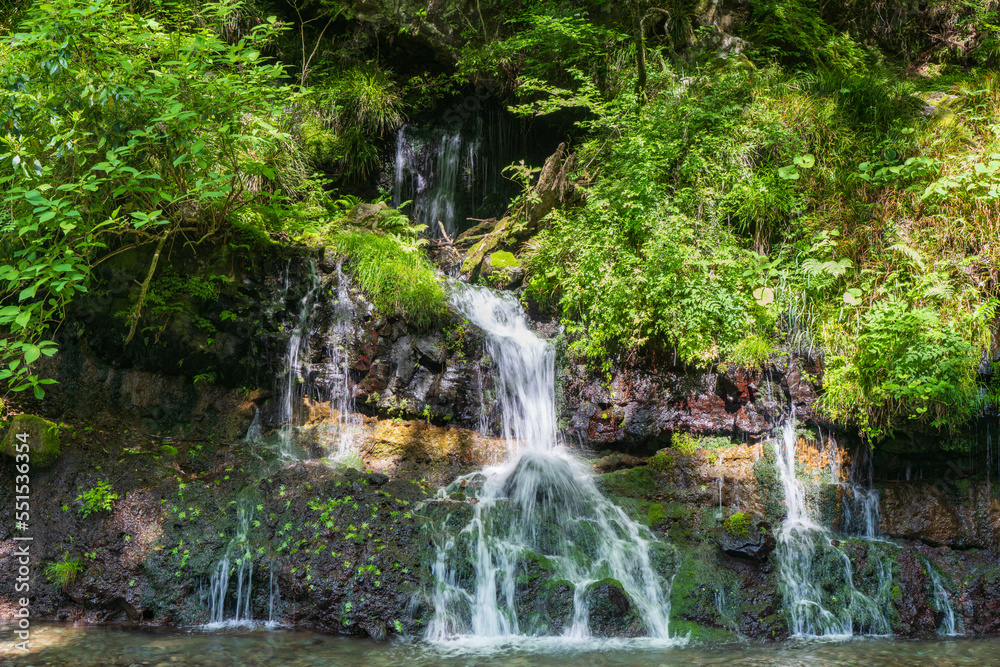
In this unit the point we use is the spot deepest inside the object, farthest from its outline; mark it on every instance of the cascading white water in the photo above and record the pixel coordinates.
(950, 623)
(541, 504)
(237, 558)
(291, 388)
(861, 500)
(346, 420)
(808, 563)
(254, 431)
(433, 180)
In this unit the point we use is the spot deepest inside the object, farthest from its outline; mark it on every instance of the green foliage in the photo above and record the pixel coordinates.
(399, 280)
(547, 49)
(63, 573)
(795, 30)
(121, 127)
(688, 443)
(99, 498)
(348, 111)
(908, 365)
(751, 352)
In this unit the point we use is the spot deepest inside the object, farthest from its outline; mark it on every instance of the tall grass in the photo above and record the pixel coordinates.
(400, 282)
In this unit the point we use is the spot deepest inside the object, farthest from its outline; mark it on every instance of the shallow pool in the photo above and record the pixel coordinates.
(113, 646)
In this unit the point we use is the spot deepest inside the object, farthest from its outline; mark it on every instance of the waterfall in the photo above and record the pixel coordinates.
(237, 558)
(454, 172)
(254, 430)
(346, 420)
(861, 501)
(721, 513)
(541, 505)
(949, 624)
(816, 577)
(292, 386)
(274, 594)
(432, 177)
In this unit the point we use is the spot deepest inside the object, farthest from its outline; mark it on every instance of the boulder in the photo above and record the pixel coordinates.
(41, 436)
(746, 537)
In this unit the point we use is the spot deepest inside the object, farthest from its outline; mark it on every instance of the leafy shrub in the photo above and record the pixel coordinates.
(907, 365)
(349, 112)
(97, 499)
(122, 130)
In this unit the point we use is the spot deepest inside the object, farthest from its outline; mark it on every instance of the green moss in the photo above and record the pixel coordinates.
(739, 524)
(661, 462)
(40, 435)
(635, 482)
(502, 259)
(765, 471)
(656, 514)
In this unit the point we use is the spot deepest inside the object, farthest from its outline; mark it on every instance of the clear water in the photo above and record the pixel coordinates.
(540, 504)
(112, 646)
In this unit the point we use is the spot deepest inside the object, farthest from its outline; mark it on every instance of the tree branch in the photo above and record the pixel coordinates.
(137, 311)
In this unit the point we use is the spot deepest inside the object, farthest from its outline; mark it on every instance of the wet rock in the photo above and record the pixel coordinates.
(390, 446)
(938, 513)
(377, 479)
(617, 461)
(746, 537)
(34, 436)
(609, 609)
(640, 405)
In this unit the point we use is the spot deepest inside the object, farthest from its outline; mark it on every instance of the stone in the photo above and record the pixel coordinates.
(42, 440)
(749, 538)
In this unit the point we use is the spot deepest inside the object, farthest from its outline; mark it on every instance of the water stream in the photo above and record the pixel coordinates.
(226, 607)
(453, 172)
(293, 384)
(816, 576)
(539, 511)
(950, 624)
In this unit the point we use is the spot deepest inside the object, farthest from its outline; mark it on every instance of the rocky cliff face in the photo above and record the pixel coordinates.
(682, 450)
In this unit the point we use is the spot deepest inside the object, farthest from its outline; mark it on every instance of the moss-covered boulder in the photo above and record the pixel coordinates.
(746, 536)
(41, 436)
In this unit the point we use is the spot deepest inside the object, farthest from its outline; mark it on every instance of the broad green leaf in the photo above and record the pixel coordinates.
(805, 161)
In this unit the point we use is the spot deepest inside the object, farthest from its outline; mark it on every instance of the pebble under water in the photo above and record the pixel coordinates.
(116, 646)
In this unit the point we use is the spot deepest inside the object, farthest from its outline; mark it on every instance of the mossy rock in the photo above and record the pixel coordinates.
(739, 525)
(502, 259)
(42, 439)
